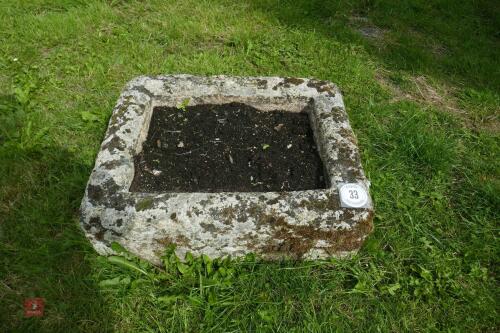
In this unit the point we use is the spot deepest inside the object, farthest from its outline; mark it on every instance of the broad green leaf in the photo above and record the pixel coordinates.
(266, 315)
(392, 289)
(183, 268)
(88, 116)
(127, 264)
(115, 282)
(118, 248)
(189, 257)
(209, 268)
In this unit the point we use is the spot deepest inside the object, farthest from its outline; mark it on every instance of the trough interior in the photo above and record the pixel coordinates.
(238, 146)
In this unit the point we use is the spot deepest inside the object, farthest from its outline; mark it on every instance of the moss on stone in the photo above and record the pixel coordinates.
(144, 204)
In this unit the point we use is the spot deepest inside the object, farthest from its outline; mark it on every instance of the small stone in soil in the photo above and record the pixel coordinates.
(278, 127)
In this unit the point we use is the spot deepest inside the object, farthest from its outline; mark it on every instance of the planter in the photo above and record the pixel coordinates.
(304, 194)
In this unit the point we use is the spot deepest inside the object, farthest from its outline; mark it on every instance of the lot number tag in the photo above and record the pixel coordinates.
(353, 195)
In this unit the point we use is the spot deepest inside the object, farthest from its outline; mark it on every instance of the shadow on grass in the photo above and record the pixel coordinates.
(43, 253)
(455, 41)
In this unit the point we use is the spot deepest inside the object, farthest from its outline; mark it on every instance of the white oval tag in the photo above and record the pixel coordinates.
(353, 195)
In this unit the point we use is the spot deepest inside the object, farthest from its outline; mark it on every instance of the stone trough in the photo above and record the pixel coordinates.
(304, 224)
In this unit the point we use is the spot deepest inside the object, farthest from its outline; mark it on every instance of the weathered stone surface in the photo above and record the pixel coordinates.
(301, 224)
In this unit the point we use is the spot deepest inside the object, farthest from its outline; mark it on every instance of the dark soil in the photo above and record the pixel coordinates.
(227, 148)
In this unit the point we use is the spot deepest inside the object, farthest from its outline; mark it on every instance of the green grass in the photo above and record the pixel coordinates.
(423, 96)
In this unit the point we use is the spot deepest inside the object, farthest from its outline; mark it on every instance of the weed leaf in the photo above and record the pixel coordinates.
(127, 264)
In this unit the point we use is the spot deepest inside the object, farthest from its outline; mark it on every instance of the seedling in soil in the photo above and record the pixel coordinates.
(184, 104)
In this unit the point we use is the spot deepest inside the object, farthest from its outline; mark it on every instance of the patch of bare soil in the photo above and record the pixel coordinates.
(366, 28)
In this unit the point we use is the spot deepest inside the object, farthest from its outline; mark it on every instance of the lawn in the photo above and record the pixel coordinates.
(421, 83)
